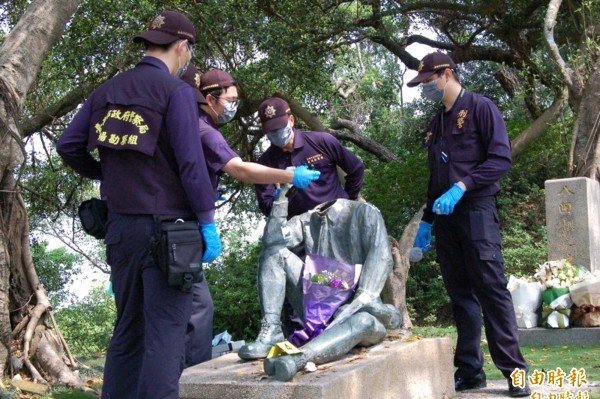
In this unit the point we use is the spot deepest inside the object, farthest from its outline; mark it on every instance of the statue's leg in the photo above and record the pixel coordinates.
(276, 271)
(360, 329)
(387, 314)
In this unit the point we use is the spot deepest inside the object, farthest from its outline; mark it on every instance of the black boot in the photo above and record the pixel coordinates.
(475, 382)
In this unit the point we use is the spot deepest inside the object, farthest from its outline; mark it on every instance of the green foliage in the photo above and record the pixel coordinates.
(88, 324)
(55, 269)
(232, 283)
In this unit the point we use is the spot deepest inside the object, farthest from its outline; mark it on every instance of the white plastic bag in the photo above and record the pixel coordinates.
(527, 297)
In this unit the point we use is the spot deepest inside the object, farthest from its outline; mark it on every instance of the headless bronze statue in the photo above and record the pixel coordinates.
(350, 231)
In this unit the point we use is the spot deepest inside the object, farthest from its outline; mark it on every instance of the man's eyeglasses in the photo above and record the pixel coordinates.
(190, 46)
(235, 102)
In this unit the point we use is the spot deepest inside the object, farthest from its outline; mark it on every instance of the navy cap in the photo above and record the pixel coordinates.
(274, 114)
(429, 65)
(192, 77)
(167, 27)
(215, 79)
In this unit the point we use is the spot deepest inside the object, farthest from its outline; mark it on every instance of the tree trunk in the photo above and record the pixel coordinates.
(585, 150)
(26, 338)
(394, 291)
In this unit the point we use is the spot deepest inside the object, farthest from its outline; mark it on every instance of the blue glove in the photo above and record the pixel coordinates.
(212, 242)
(446, 203)
(276, 193)
(423, 239)
(304, 176)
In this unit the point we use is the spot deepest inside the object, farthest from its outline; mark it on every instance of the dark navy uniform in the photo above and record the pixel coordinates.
(144, 124)
(322, 151)
(469, 143)
(200, 327)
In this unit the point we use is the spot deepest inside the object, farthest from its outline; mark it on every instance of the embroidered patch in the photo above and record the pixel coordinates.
(428, 137)
(270, 111)
(462, 114)
(158, 22)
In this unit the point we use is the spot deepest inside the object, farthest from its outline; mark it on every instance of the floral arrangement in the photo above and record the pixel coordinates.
(559, 274)
(329, 279)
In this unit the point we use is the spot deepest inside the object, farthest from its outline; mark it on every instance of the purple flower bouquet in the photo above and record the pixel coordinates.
(327, 284)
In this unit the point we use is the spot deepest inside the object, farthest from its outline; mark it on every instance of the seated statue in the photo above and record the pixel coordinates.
(349, 231)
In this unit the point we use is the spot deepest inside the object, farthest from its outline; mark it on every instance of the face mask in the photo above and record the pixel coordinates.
(228, 114)
(431, 92)
(280, 137)
(182, 70)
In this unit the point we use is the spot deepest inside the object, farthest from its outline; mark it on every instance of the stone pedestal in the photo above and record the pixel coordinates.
(573, 221)
(393, 369)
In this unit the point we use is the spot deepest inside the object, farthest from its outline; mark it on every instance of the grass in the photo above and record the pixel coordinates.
(544, 358)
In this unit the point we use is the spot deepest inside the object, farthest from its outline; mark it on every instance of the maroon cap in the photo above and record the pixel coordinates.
(215, 79)
(274, 114)
(429, 65)
(192, 77)
(168, 27)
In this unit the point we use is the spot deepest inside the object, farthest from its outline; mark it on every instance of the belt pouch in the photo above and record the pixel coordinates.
(178, 252)
(93, 215)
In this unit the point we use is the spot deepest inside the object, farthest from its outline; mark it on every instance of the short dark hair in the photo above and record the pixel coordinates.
(164, 47)
(441, 72)
(216, 93)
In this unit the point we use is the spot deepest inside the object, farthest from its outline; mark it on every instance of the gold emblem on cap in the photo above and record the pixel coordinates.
(421, 65)
(270, 111)
(197, 79)
(158, 22)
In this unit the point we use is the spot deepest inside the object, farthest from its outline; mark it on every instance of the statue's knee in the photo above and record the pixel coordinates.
(367, 325)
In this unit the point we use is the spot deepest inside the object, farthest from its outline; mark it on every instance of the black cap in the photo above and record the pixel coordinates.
(274, 114)
(429, 65)
(168, 27)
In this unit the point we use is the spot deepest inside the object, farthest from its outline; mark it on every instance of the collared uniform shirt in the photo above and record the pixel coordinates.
(324, 153)
(145, 124)
(216, 150)
(467, 143)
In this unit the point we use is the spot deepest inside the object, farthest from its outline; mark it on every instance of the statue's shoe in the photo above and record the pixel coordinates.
(269, 335)
(284, 368)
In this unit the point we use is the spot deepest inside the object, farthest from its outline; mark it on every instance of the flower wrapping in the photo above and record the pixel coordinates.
(586, 295)
(323, 295)
(556, 313)
(527, 297)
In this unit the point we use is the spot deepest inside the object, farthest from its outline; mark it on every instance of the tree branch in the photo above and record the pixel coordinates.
(539, 126)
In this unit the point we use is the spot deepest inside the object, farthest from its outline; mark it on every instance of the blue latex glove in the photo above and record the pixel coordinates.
(212, 242)
(423, 239)
(276, 193)
(304, 176)
(446, 203)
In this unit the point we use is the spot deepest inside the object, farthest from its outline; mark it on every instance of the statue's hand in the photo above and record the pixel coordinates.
(360, 300)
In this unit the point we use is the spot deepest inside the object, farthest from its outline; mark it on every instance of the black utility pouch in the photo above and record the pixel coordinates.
(178, 252)
(93, 215)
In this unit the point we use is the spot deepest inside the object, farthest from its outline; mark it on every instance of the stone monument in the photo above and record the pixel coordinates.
(573, 221)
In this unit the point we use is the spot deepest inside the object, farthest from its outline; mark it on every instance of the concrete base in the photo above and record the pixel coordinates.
(393, 369)
(559, 336)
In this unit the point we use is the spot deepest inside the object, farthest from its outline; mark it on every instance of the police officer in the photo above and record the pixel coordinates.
(319, 150)
(217, 95)
(144, 124)
(469, 151)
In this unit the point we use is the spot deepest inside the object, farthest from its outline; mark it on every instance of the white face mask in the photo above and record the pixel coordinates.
(280, 137)
(228, 114)
(182, 69)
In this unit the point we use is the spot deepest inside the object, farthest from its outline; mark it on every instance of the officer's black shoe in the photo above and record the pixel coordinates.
(475, 382)
(516, 391)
